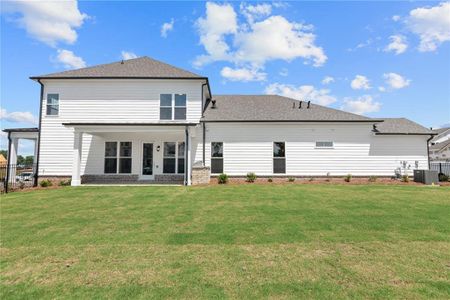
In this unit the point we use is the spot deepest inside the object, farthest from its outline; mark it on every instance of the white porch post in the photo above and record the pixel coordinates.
(76, 167)
(12, 158)
(189, 167)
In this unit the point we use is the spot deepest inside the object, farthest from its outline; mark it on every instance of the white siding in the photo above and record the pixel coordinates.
(248, 148)
(111, 101)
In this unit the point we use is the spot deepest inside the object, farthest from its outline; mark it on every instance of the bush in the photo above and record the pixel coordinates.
(45, 183)
(223, 178)
(311, 179)
(65, 182)
(443, 177)
(328, 179)
(372, 178)
(348, 178)
(291, 179)
(405, 178)
(270, 179)
(251, 177)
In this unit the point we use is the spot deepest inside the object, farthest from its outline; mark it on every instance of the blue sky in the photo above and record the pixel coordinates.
(381, 59)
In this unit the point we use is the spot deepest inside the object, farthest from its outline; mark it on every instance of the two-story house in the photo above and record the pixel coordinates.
(144, 121)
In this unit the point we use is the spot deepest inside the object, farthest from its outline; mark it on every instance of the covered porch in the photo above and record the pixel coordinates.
(132, 153)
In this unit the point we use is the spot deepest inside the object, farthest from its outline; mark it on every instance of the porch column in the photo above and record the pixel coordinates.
(12, 159)
(76, 167)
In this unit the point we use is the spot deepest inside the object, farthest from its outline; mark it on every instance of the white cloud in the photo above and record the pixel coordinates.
(18, 116)
(69, 59)
(381, 88)
(254, 12)
(277, 38)
(398, 44)
(242, 74)
(166, 27)
(260, 39)
(431, 24)
(362, 105)
(396, 18)
(396, 81)
(360, 83)
(303, 92)
(327, 80)
(284, 72)
(220, 20)
(50, 22)
(128, 55)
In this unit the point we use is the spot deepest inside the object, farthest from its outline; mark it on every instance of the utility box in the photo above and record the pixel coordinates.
(426, 176)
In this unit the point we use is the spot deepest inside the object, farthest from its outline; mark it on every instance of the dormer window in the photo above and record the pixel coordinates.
(172, 107)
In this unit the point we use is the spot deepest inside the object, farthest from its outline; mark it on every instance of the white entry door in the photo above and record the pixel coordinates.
(147, 171)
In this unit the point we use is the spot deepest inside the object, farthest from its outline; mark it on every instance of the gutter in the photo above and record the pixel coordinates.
(290, 121)
(36, 175)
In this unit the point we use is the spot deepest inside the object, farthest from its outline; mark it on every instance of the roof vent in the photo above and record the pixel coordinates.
(300, 104)
(374, 127)
(309, 103)
(213, 104)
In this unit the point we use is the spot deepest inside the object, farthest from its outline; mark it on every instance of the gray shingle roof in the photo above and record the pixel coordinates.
(401, 126)
(440, 146)
(246, 108)
(132, 68)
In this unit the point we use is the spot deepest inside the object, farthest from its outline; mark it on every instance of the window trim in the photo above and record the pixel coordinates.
(217, 158)
(47, 105)
(118, 157)
(176, 157)
(278, 158)
(173, 106)
(324, 147)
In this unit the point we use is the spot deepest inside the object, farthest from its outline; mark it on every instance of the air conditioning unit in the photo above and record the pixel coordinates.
(426, 176)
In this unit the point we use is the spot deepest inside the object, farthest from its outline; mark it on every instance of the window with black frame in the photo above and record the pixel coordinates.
(180, 160)
(125, 157)
(216, 157)
(52, 105)
(169, 159)
(110, 157)
(279, 158)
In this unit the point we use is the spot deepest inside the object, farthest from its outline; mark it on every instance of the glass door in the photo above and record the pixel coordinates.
(147, 160)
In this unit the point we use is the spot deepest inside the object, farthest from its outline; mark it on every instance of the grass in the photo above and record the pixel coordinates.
(247, 241)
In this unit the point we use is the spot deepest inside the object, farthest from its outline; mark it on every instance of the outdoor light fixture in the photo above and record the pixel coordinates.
(158, 148)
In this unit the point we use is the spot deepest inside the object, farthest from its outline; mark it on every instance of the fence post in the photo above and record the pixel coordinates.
(440, 167)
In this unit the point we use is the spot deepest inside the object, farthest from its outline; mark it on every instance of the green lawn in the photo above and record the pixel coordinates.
(245, 241)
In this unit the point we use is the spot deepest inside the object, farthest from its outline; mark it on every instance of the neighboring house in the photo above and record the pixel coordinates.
(440, 151)
(142, 120)
(442, 135)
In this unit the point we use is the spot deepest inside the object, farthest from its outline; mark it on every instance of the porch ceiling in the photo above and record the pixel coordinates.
(129, 127)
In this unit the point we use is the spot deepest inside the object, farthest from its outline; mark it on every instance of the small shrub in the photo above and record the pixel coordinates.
(405, 178)
(328, 179)
(270, 179)
(64, 182)
(348, 178)
(223, 178)
(372, 178)
(21, 185)
(251, 177)
(311, 179)
(291, 179)
(443, 177)
(45, 183)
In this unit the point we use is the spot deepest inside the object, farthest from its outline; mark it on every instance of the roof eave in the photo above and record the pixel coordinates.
(117, 77)
(290, 121)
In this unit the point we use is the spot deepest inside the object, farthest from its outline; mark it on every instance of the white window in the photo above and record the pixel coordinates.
(173, 159)
(279, 158)
(325, 144)
(217, 157)
(172, 107)
(121, 158)
(52, 104)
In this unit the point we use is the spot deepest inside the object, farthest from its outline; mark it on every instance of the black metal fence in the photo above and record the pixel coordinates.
(20, 177)
(441, 167)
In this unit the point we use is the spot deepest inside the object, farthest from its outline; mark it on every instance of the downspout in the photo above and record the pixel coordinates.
(428, 151)
(8, 166)
(203, 99)
(36, 175)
